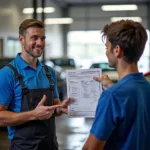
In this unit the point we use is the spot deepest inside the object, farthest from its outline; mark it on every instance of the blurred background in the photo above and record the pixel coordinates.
(73, 41)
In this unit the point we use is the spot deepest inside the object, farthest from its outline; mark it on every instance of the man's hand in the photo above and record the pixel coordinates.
(64, 107)
(105, 80)
(42, 112)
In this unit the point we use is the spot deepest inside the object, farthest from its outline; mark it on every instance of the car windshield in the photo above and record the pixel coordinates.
(103, 66)
(63, 62)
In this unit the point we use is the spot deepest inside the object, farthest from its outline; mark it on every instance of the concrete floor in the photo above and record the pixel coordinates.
(71, 133)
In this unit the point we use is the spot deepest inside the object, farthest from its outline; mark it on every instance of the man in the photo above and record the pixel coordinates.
(122, 116)
(28, 94)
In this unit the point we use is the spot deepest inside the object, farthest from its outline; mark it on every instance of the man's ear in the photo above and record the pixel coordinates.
(118, 51)
(21, 39)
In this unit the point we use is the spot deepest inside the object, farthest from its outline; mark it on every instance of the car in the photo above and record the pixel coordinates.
(111, 72)
(64, 62)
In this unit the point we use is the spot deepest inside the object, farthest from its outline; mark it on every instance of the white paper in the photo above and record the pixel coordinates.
(84, 91)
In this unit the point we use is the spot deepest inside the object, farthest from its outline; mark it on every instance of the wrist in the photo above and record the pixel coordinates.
(32, 115)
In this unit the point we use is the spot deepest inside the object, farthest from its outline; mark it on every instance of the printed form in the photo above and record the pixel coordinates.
(84, 91)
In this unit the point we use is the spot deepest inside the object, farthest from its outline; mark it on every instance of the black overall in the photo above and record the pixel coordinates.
(35, 135)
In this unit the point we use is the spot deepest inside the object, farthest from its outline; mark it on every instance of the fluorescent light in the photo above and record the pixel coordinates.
(46, 10)
(58, 21)
(28, 10)
(119, 7)
(38, 10)
(138, 19)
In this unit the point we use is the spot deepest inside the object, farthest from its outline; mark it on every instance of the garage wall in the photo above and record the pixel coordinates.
(11, 16)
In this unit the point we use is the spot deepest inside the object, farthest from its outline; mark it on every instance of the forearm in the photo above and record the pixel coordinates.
(8, 118)
(93, 143)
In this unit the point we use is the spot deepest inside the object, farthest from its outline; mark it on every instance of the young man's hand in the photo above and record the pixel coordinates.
(105, 80)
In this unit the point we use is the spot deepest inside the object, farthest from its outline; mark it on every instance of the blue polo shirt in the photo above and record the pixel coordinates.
(123, 115)
(10, 89)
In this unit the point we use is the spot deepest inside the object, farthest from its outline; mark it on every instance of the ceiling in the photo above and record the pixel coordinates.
(63, 3)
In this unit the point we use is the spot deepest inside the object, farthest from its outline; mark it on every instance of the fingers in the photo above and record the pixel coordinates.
(53, 107)
(42, 101)
(104, 76)
(66, 102)
(46, 116)
(97, 79)
(64, 110)
(105, 80)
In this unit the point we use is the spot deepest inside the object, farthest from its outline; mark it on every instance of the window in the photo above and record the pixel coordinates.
(13, 47)
(87, 47)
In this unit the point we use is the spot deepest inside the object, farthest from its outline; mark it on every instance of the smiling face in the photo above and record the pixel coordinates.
(33, 41)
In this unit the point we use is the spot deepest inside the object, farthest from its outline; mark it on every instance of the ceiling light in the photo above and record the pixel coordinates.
(138, 19)
(28, 10)
(38, 10)
(46, 10)
(119, 7)
(58, 21)
(49, 9)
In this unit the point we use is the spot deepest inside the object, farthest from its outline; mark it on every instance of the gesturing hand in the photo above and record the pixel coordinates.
(105, 80)
(42, 112)
(64, 107)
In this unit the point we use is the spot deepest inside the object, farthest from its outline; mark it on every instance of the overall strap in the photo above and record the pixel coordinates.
(48, 74)
(25, 89)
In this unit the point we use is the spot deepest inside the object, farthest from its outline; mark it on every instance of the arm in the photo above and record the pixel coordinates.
(93, 143)
(105, 122)
(8, 118)
(41, 112)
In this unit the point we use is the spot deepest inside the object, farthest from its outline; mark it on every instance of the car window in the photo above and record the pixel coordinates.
(103, 66)
(63, 62)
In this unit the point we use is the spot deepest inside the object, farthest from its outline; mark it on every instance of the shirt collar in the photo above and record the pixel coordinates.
(23, 64)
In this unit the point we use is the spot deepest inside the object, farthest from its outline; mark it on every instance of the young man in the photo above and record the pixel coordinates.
(122, 120)
(28, 94)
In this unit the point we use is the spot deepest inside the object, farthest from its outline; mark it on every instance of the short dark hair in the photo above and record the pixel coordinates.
(130, 35)
(29, 23)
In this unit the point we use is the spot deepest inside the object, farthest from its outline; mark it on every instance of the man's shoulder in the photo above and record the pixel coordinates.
(115, 88)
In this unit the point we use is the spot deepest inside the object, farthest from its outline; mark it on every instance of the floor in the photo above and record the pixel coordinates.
(71, 133)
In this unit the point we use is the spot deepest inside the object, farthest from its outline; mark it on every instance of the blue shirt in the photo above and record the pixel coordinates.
(123, 115)
(10, 89)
